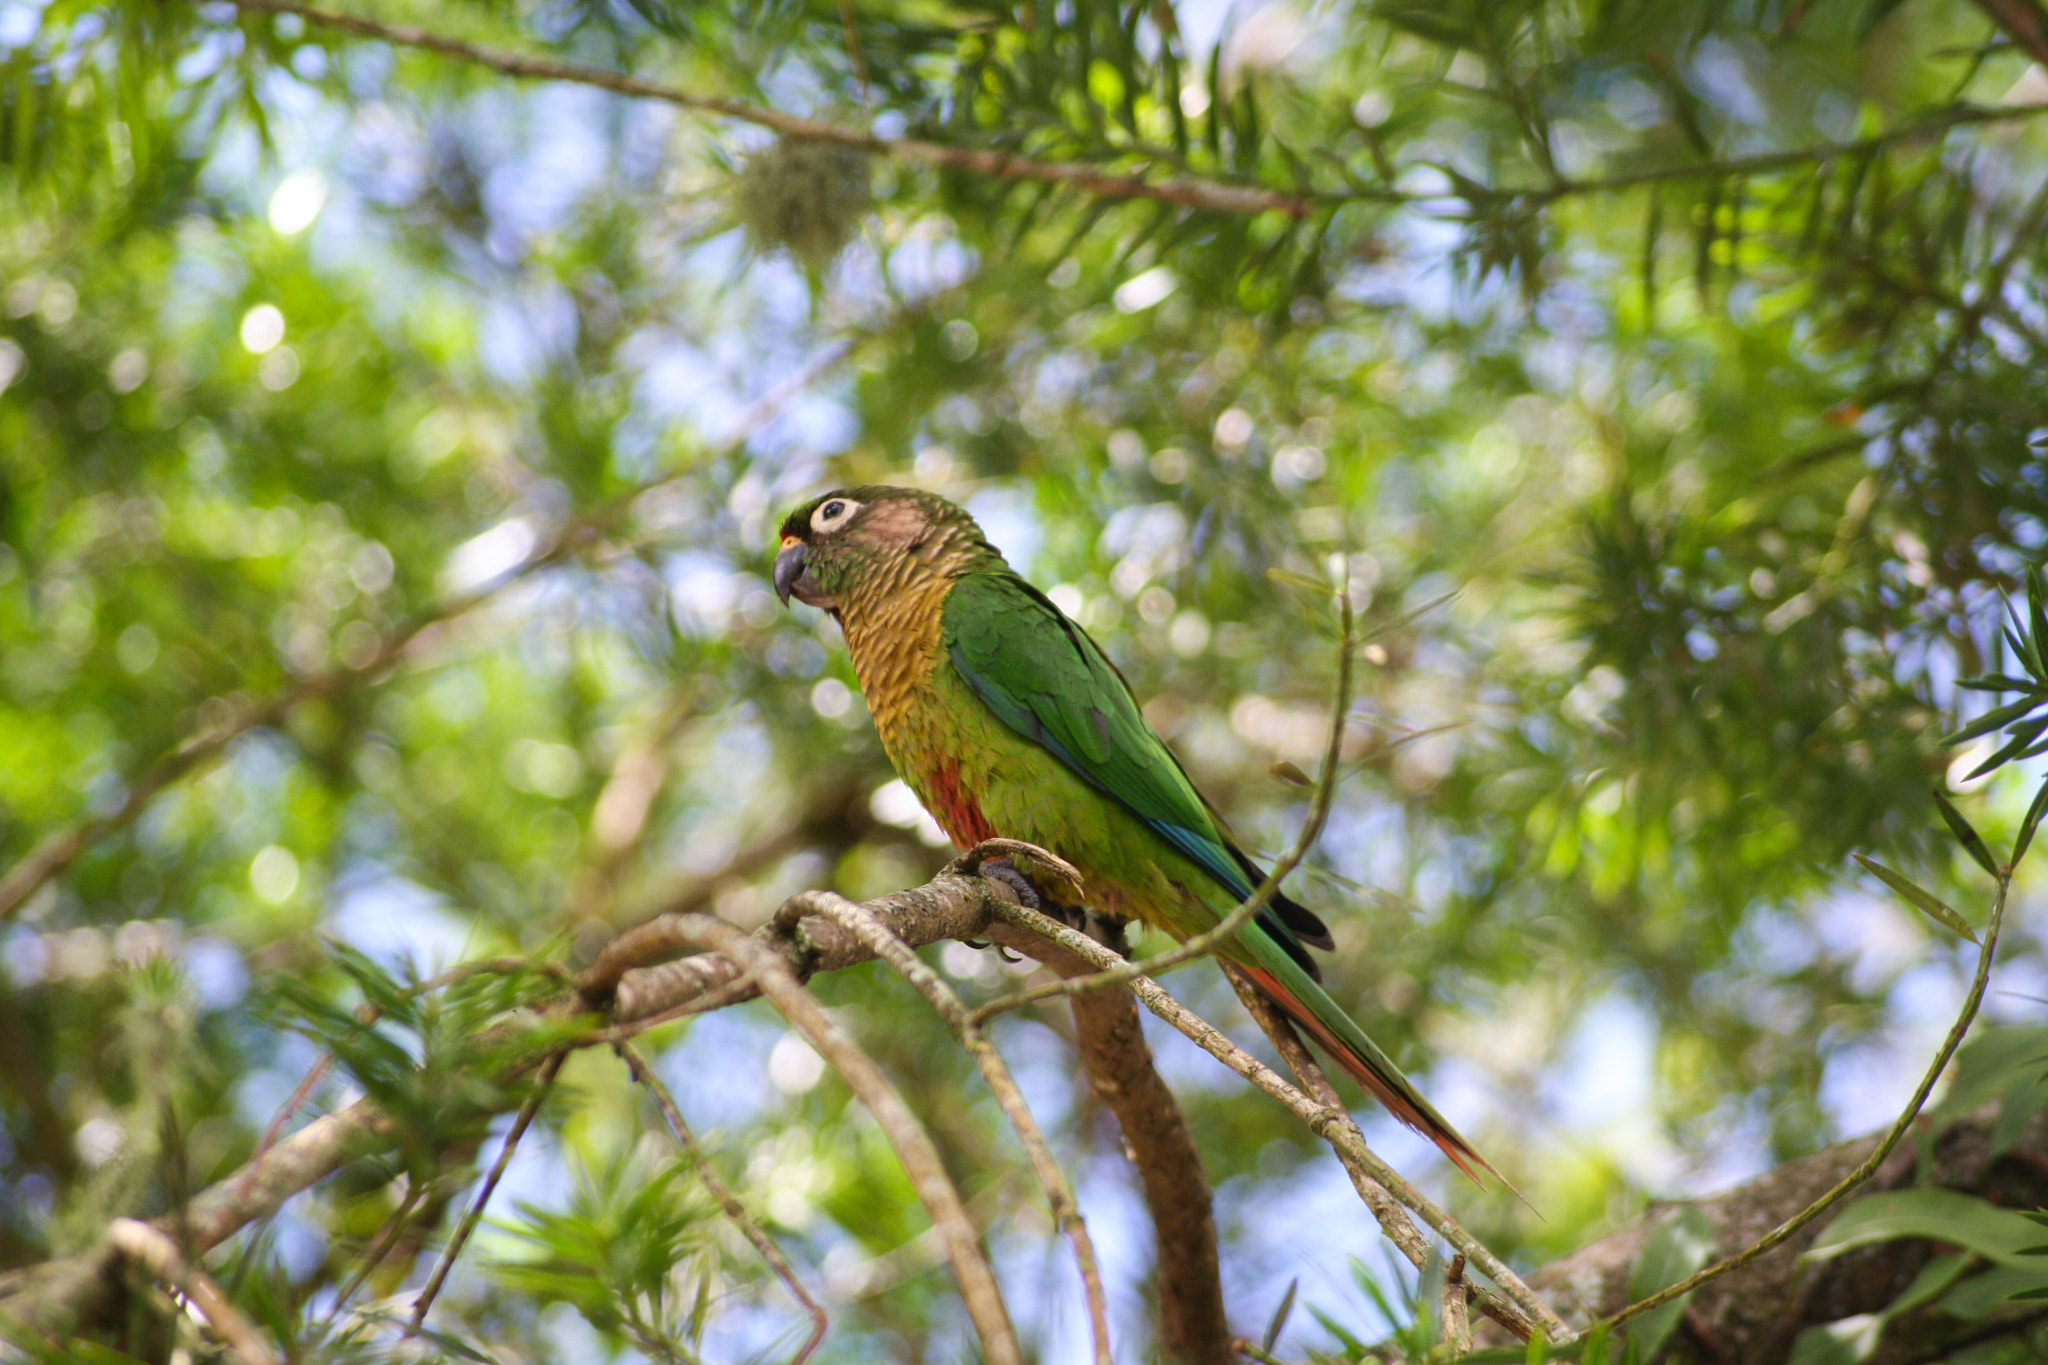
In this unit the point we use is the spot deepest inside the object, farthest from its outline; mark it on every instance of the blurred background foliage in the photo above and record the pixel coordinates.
(424, 430)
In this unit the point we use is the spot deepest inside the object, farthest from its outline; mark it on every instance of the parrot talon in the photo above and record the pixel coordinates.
(982, 945)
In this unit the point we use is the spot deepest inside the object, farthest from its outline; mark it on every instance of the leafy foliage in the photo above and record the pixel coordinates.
(417, 433)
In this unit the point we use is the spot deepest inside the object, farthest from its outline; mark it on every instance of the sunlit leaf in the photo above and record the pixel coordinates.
(1921, 898)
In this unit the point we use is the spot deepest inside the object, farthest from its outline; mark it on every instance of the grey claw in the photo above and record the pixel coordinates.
(1027, 894)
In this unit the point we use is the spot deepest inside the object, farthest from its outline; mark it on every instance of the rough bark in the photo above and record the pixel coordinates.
(1752, 1316)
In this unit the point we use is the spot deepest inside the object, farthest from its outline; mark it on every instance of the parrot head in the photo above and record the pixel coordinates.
(853, 541)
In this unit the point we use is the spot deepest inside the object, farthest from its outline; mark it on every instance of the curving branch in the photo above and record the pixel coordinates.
(58, 1297)
(736, 1211)
(1059, 1195)
(1186, 191)
(915, 1151)
(1868, 1167)
(1523, 1308)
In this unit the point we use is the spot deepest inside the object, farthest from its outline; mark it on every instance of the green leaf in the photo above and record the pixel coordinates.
(2009, 1065)
(1846, 1342)
(1413, 614)
(2023, 734)
(1679, 1246)
(1930, 1214)
(2037, 610)
(1932, 905)
(2028, 644)
(1997, 718)
(2030, 824)
(1999, 682)
(1854, 1339)
(1966, 834)
(1993, 1291)
(1279, 1320)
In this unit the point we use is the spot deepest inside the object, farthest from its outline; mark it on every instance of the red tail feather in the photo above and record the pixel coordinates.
(1361, 1070)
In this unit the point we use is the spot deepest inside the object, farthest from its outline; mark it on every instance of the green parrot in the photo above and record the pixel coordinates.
(1008, 721)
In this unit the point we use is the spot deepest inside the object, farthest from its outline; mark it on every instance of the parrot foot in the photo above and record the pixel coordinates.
(999, 870)
(1028, 895)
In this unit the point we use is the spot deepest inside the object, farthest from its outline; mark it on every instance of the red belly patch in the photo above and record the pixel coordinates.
(955, 810)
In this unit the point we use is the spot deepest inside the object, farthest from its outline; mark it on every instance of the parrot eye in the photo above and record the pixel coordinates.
(833, 513)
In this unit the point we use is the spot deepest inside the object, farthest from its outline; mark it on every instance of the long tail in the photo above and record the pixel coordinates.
(1310, 1006)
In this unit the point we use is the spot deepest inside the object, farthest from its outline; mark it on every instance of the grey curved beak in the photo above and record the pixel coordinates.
(789, 566)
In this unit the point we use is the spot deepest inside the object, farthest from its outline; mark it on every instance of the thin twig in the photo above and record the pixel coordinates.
(414, 1192)
(1194, 1318)
(152, 1248)
(913, 1145)
(853, 47)
(1227, 929)
(549, 1070)
(1332, 1125)
(1393, 1220)
(727, 1200)
(49, 1298)
(1186, 191)
(1868, 1167)
(1457, 1323)
(1059, 1195)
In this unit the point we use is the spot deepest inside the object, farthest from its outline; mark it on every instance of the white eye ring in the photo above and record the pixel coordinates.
(833, 512)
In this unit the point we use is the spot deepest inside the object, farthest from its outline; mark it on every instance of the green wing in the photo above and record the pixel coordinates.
(1045, 679)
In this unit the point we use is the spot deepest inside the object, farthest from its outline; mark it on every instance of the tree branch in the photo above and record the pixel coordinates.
(1868, 1167)
(1194, 1324)
(913, 1145)
(1186, 191)
(1066, 1211)
(1193, 192)
(1332, 1125)
(729, 1201)
(152, 1248)
(1755, 1313)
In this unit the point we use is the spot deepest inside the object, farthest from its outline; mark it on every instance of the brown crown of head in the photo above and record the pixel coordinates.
(839, 542)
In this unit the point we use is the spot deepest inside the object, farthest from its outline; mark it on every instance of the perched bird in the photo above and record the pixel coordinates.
(1008, 721)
